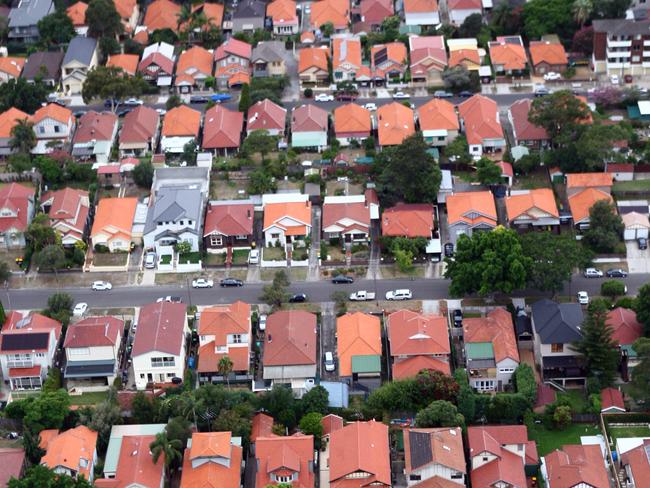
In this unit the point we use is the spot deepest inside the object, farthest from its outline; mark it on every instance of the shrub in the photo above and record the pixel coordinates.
(613, 288)
(309, 93)
(525, 383)
(562, 416)
(101, 248)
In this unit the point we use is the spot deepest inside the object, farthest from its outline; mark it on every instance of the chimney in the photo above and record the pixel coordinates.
(270, 339)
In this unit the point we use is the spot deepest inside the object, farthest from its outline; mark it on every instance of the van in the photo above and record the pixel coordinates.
(329, 361)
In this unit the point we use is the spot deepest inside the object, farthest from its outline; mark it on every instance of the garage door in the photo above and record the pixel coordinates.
(642, 233)
(629, 234)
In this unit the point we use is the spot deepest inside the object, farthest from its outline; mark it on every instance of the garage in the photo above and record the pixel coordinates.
(636, 225)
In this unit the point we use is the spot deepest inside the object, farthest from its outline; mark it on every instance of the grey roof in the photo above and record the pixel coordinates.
(29, 12)
(249, 9)
(269, 51)
(557, 323)
(172, 204)
(80, 49)
(622, 27)
(50, 61)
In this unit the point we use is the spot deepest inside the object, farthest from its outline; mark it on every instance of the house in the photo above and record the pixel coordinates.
(417, 341)
(53, 126)
(10, 68)
(269, 58)
(159, 346)
(139, 133)
(532, 209)
(233, 60)
(24, 17)
(394, 124)
(346, 57)
(249, 16)
(331, 423)
(620, 171)
(546, 57)
(73, 452)
(212, 459)
(284, 459)
(192, 69)
(459, 10)
(409, 220)
(577, 182)
(352, 122)
(16, 213)
(92, 351)
(157, 62)
(12, 464)
(79, 59)
(616, 45)
(358, 345)
(135, 466)
(94, 136)
(465, 52)
(468, 212)
(68, 211)
(284, 17)
(611, 401)
(228, 224)
(129, 12)
(290, 349)
(309, 125)
(491, 350)
(346, 218)
(8, 120)
(348, 455)
(77, 14)
(181, 126)
(222, 130)
(113, 223)
(556, 327)
(313, 65)
(335, 12)
(261, 426)
(127, 435)
(287, 219)
(580, 204)
(435, 457)
(373, 13)
(575, 465)
(508, 55)
(479, 118)
(499, 455)
(162, 14)
(268, 116)
(45, 66)
(626, 329)
(636, 464)
(27, 348)
(224, 331)
(438, 122)
(421, 12)
(428, 58)
(388, 62)
(525, 132)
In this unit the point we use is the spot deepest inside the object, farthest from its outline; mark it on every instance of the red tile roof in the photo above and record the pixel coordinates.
(308, 118)
(335, 11)
(481, 119)
(438, 114)
(182, 121)
(420, 6)
(619, 168)
(135, 465)
(262, 426)
(69, 448)
(233, 46)
(229, 218)
(15, 198)
(612, 398)
(580, 203)
(638, 462)
(284, 456)
(195, 61)
(222, 128)
(290, 338)
(408, 220)
(128, 62)
(25, 372)
(411, 366)
(161, 327)
(77, 13)
(139, 126)
(283, 12)
(162, 14)
(220, 321)
(352, 120)
(531, 203)
(589, 180)
(472, 208)
(411, 333)
(8, 119)
(394, 123)
(507, 469)
(346, 216)
(12, 461)
(215, 464)
(524, 129)
(331, 423)
(375, 11)
(12, 66)
(94, 332)
(357, 334)
(53, 111)
(266, 115)
(626, 329)
(95, 126)
(445, 449)
(510, 56)
(496, 328)
(156, 64)
(576, 465)
(547, 52)
(312, 57)
(427, 53)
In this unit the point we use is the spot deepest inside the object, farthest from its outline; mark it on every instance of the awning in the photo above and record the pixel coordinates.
(32, 372)
(370, 363)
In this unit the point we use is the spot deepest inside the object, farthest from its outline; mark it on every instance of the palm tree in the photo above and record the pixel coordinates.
(170, 449)
(23, 138)
(184, 15)
(225, 368)
(582, 10)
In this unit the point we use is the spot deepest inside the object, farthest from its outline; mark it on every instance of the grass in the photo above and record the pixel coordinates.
(299, 274)
(393, 271)
(333, 252)
(632, 186)
(166, 259)
(549, 440)
(332, 186)
(228, 189)
(190, 257)
(273, 254)
(240, 256)
(532, 181)
(215, 259)
(576, 398)
(110, 259)
(629, 431)
(90, 398)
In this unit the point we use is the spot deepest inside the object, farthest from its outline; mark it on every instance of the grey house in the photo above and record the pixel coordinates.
(556, 327)
(80, 58)
(23, 19)
(249, 16)
(269, 59)
(44, 65)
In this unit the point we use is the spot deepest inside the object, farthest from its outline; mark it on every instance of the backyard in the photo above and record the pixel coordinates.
(228, 189)
(629, 431)
(549, 440)
(90, 398)
(641, 186)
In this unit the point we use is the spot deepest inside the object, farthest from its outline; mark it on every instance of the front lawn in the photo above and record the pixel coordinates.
(190, 257)
(240, 256)
(549, 440)
(274, 254)
(332, 253)
(110, 259)
(213, 259)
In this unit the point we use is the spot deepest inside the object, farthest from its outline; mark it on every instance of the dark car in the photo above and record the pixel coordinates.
(109, 103)
(643, 243)
(199, 99)
(616, 273)
(458, 317)
(465, 94)
(449, 249)
(298, 298)
(342, 279)
(231, 282)
(123, 113)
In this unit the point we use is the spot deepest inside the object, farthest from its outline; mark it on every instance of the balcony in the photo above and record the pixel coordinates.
(618, 54)
(611, 43)
(20, 364)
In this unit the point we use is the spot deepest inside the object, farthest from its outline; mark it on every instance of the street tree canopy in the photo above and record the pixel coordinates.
(56, 28)
(559, 114)
(111, 83)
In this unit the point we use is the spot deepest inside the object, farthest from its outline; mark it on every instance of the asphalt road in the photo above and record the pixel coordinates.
(319, 291)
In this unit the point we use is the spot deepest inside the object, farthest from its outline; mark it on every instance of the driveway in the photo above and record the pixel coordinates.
(638, 261)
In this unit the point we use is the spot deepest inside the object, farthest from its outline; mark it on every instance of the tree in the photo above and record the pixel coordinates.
(276, 293)
(605, 227)
(47, 411)
(53, 380)
(545, 16)
(582, 11)
(170, 449)
(259, 141)
(43, 477)
(599, 350)
(104, 416)
(224, 367)
(610, 9)
(583, 41)
(642, 307)
(641, 375)
(32, 448)
(183, 247)
(315, 400)
(433, 385)
(407, 172)
(51, 171)
(281, 405)
(23, 138)
(311, 424)
(179, 428)
(559, 114)
(173, 101)
(235, 420)
(596, 145)
(142, 409)
(190, 149)
(466, 399)
(39, 233)
(440, 413)
(143, 174)
(111, 82)
(103, 19)
(488, 262)
(525, 383)
(562, 416)
(107, 47)
(59, 307)
(457, 78)
(506, 20)
(487, 171)
(327, 29)
(471, 26)
(553, 257)
(5, 274)
(20, 94)
(56, 29)
(245, 98)
(260, 182)
(51, 258)
(458, 151)
(612, 288)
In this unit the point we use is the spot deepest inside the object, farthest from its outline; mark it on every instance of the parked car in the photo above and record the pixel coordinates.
(614, 79)
(133, 102)
(616, 273)
(458, 318)
(231, 282)
(552, 76)
(324, 97)
(150, 260)
(643, 243)
(330, 365)
(262, 322)
(79, 309)
(401, 95)
(442, 94)
(370, 106)
(593, 273)
(221, 97)
(342, 280)
(254, 256)
(161, 111)
(362, 296)
(101, 286)
(298, 298)
(170, 299)
(583, 298)
(199, 99)
(403, 294)
(202, 283)
(125, 112)
(541, 91)
(449, 249)
(465, 94)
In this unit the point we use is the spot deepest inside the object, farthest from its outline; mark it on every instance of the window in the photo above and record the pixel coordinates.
(241, 237)
(79, 351)
(203, 338)
(415, 477)
(236, 338)
(485, 459)
(275, 236)
(170, 375)
(557, 347)
(142, 376)
(182, 222)
(41, 129)
(189, 222)
(83, 463)
(216, 241)
(167, 361)
(57, 129)
(457, 476)
(284, 479)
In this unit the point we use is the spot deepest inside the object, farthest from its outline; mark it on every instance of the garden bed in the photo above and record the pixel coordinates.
(166, 259)
(110, 259)
(190, 257)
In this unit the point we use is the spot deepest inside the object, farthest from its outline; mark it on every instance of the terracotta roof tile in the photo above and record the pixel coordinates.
(299, 212)
(224, 473)
(209, 358)
(331, 423)
(283, 12)
(461, 207)
(69, 448)
(266, 115)
(162, 14)
(290, 338)
(53, 111)
(497, 329)
(284, 456)
(465, 4)
(446, 449)
(229, 219)
(375, 11)
(576, 465)
(547, 52)
(357, 334)
(581, 202)
(408, 220)
(611, 398)
(9, 119)
(481, 119)
(420, 6)
(637, 461)
(210, 444)
(17, 198)
(308, 118)
(388, 57)
(195, 61)
(114, 216)
(64, 203)
(233, 46)
(530, 204)
(345, 215)
(626, 328)
(394, 123)
(335, 11)
(12, 462)
(94, 332)
(182, 121)
(212, 11)
(222, 128)
(139, 126)
(220, 321)
(128, 62)
(464, 57)
(95, 126)
(436, 482)
(427, 53)
(12, 66)
(525, 130)
(438, 114)
(411, 333)
(161, 328)
(411, 366)
(510, 56)
(77, 13)
(135, 465)
(312, 57)
(262, 426)
(125, 9)
(346, 51)
(589, 180)
(508, 470)
(351, 119)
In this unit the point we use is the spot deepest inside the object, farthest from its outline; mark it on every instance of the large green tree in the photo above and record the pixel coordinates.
(50, 258)
(596, 145)
(439, 413)
(47, 411)
(103, 19)
(39, 233)
(642, 307)
(110, 82)
(641, 372)
(20, 94)
(56, 29)
(23, 138)
(543, 17)
(143, 174)
(42, 477)
(559, 114)
(605, 227)
(259, 141)
(488, 262)
(487, 171)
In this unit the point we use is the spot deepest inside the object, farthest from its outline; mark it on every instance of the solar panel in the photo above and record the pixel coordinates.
(381, 56)
(420, 444)
(24, 342)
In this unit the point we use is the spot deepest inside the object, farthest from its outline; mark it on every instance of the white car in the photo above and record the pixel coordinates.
(404, 294)
(262, 322)
(161, 111)
(330, 365)
(79, 309)
(370, 106)
(150, 260)
(401, 95)
(593, 273)
(101, 286)
(254, 256)
(583, 298)
(614, 79)
(202, 283)
(323, 97)
(552, 76)
(133, 101)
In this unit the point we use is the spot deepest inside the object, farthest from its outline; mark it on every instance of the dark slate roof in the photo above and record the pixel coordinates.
(522, 324)
(51, 61)
(80, 49)
(173, 204)
(557, 323)
(420, 444)
(29, 12)
(24, 342)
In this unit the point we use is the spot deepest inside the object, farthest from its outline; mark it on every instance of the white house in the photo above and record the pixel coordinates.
(421, 12)
(53, 125)
(459, 10)
(287, 218)
(434, 453)
(159, 348)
